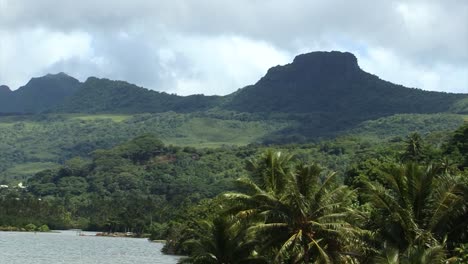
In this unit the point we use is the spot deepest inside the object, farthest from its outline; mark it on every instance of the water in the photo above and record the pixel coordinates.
(67, 247)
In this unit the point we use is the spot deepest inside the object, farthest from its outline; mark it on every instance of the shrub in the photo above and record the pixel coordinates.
(30, 227)
(44, 228)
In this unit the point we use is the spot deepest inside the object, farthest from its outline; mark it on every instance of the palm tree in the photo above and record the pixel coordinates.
(298, 215)
(414, 148)
(414, 206)
(415, 254)
(220, 242)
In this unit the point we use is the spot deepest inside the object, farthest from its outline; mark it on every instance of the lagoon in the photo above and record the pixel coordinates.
(67, 247)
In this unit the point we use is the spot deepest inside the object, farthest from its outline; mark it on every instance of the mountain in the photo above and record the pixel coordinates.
(320, 89)
(4, 90)
(39, 94)
(333, 82)
(327, 93)
(107, 96)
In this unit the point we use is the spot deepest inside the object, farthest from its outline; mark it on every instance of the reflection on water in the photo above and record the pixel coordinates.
(67, 247)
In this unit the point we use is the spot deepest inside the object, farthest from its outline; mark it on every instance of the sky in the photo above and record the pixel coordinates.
(218, 46)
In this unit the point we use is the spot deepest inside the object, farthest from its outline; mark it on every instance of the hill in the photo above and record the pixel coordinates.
(322, 93)
(332, 84)
(319, 95)
(39, 94)
(107, 96)
(31, 143)
(327, 84)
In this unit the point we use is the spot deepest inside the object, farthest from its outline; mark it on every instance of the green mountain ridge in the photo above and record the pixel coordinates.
(316, 82)
(320, 95)
(334, 82)
(107, 96)
(38, 94)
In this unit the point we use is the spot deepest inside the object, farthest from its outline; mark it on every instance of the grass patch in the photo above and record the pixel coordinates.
(113, 117)
(210, 132)
(25, 170)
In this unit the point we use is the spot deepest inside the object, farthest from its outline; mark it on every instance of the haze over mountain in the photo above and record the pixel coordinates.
(325, 84)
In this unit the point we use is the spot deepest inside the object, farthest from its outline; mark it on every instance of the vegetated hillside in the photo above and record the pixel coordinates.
(39, 94)
(289, 210)
(107, 96)
(29, 144)
(32, 143)
(332, 82)
(145, 186)
(460, 107)
(327, 92)
(132, 184)
(319, 95)
(144, 180)
(401, 125)
(323, 86)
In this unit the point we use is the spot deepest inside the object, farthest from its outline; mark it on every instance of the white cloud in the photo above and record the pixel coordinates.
(440, 77)
(27, 53)
(215, 47)
(221, 64)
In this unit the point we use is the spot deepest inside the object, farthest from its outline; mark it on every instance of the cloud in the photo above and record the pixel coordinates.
(217, 65)
(215, 47)
(438, 77)
(25, 53)
(182, 64)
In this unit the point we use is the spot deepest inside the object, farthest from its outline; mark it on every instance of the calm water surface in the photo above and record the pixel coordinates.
(67, 247)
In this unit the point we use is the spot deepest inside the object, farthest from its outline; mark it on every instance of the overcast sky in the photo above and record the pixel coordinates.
(216, 47)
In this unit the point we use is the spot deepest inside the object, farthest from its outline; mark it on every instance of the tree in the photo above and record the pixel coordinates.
(220, 242)
(414, 150)
(414, 207)
(297, 215)
(457, 147)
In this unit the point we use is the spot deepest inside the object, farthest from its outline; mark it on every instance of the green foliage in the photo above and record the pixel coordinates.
(30, 227)
(288, 213)
(107, 96)
(462, 254)
(43, 228)
(401, 125)
(158, 231)
(418, 210)
(219, 241)
(29, 144)
(135, 184)
(288, 210)
(414, 148)
(416, 254)
(327, 92)
(460, 106)
(39, 94)
(458, 145)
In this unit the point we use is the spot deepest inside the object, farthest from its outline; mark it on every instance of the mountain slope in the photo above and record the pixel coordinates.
(322, 89)
(332, 82)
(107, 96)
(39, 94)
(4, 90)
(326, 93)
